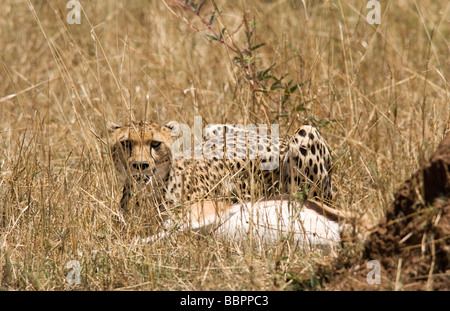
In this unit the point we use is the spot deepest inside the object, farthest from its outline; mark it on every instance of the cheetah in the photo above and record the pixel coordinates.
(236, 164)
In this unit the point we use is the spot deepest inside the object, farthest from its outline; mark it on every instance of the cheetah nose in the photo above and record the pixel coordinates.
(141, 166)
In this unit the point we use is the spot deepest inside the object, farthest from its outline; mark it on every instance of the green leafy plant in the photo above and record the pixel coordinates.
(278, 89)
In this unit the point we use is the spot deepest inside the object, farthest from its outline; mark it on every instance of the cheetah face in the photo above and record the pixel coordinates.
(141, 150)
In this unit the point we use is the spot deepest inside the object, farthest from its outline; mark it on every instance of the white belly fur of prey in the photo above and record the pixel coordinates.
(272, 220)
(268, 222)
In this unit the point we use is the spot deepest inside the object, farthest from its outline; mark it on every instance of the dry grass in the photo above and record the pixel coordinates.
(378, 93)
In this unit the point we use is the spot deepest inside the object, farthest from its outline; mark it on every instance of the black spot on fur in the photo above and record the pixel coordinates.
(303, 151)
(302, 133)
(297, 161)
(316, 170)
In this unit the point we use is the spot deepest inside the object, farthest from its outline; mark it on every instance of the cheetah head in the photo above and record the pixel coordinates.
(141, 150)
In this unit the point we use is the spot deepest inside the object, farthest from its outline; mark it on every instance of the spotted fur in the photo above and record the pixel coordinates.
(236, 163)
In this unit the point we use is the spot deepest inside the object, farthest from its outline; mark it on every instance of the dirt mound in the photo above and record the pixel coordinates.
(410, 248)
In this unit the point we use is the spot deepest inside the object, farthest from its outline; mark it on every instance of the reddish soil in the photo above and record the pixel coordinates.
(412, 243)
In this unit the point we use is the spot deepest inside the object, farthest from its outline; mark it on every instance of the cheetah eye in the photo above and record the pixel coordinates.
(126, 146)
(155, 144)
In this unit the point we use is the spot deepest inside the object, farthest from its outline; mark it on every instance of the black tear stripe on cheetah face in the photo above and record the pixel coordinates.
(237, 163)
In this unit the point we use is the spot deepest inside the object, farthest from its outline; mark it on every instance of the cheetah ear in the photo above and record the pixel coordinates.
(173, 126)
(111, 126)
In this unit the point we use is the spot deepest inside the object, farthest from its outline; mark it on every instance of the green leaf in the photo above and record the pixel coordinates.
(200, 6)
(211, 20)
(300, 107)
(292, 89)
(257, 46)
(212, 38)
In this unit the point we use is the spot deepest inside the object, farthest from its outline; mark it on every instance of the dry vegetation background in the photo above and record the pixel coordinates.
(379, 94)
